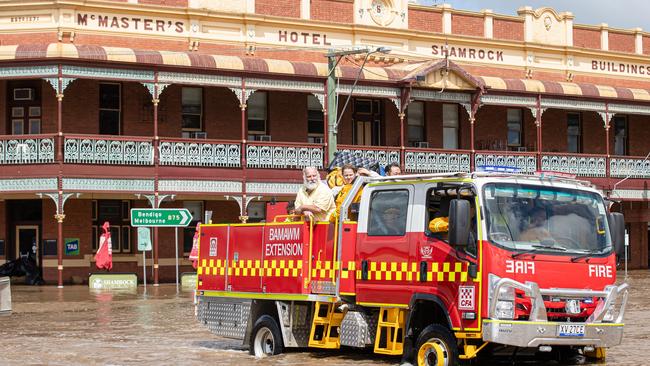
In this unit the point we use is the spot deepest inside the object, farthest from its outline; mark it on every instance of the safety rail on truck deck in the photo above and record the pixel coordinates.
(538, 310)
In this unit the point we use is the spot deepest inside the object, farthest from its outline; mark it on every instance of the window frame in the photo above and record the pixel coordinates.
(118, 110)
(320, 120)
(579, 135)
(447, 126)
(371, 210)
(520, 123)
(200, 114)
(264, 108)
(626, 126)
(420, 124)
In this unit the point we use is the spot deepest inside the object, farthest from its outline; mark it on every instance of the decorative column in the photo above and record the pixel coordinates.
(538, 124)
(59, 216)
(325, 106)
(244, 135)
(476, 103)
(607, 117)
(402, 150)
(156, 161)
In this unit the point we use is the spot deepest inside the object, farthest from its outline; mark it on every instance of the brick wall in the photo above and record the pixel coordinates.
(80, 112)
(508, 29)
(467, 25)
(176, 3)
(425, 20)
(222, 119)
(278, 8)
(621, 42)
(3, 107)
(287, 116)
(586, 38)
(433, 124)
(337, 11)
(593, 133)
(391, 124)
(645, 40)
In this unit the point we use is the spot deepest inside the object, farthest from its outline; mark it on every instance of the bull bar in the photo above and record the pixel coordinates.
(537, 330)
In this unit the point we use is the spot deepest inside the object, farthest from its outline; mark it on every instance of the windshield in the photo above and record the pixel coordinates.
(533, 218)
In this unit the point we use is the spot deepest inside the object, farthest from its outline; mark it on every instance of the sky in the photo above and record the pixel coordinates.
(625, 14)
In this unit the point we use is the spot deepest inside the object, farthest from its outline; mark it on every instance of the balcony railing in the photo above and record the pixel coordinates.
(383, 155)
(108, 150)
(283, 155)
(621, 167)
(525, 162)
(427, 161)
(204, 153)
(27, 149)
(580, 165)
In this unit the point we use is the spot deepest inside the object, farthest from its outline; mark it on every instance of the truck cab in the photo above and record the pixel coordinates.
(435, 268)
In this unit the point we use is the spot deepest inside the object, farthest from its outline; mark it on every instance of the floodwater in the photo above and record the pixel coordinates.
(73, 326)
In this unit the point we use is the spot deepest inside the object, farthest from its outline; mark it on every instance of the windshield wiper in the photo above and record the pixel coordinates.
(537, 248)
(587, 254)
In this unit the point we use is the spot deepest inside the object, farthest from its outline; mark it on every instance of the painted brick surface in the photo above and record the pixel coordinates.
(586, 38)
(621, 42)
(336, 11)
(174, 3)
(507, 29)
(279, 8)
(425, 20)
(467, 25)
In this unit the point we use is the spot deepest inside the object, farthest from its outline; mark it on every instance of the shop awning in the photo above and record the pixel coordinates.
(565, 88)
(192, 60)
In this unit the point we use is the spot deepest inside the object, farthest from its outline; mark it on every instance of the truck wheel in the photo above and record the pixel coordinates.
(266, 339)
(436, 346)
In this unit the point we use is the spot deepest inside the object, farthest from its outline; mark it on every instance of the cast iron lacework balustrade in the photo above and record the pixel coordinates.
(436, 162)
(96, 150)
(27, 150)
(227, 155)
(273, 157)
(527, 164)
(384, 157)
(584, 166)
(634, 168)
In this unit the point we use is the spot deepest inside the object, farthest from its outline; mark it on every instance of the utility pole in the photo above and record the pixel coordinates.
(333, 58)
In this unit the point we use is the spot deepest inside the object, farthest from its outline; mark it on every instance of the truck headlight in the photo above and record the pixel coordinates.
(505, 308)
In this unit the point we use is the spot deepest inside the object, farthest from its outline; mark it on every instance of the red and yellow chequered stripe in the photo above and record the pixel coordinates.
(377, 271)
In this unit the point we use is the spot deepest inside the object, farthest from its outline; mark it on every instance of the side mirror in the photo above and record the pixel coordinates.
(459, 222)
(617, 231)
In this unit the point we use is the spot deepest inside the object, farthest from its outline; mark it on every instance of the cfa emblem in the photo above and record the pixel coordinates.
(426, 251)
(466, 298)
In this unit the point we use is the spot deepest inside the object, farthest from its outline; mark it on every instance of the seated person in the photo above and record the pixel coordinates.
(536, 230)
(392, 222)
(439, 225)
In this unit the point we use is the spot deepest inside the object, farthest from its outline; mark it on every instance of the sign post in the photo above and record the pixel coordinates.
(161, 217)
(144, 244)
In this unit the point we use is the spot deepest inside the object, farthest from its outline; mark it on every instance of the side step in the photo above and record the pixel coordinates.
(325, 327)
(390, 331)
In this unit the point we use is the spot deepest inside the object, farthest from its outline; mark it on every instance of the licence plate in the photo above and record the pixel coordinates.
(571, 330)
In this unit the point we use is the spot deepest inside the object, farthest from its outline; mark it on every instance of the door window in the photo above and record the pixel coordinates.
(388, 210)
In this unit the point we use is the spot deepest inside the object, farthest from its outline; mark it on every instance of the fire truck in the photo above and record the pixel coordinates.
(526, 262)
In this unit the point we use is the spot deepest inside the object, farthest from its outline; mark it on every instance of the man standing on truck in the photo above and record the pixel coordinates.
(314, 199)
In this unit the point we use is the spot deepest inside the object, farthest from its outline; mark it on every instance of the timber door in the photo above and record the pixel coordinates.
(367, 119)
(27, 242)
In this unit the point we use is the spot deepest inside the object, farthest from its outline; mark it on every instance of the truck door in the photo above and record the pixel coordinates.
(382, 252)
(443, 269)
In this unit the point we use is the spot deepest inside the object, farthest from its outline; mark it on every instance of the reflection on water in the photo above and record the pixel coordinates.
(73, 326)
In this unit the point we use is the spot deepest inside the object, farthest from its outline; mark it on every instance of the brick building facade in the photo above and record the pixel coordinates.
(216, 105)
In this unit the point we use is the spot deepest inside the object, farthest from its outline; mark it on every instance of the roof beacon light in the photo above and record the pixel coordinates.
(498, 169)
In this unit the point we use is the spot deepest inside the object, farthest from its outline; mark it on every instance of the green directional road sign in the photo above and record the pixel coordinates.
(169, 217)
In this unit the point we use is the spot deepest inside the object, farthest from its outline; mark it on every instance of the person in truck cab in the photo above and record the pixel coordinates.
(536, 230)
(314, 199)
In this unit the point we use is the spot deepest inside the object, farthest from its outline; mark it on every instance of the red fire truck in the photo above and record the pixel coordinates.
(527, 262)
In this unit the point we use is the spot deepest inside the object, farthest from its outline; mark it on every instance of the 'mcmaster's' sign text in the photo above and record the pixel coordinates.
(130, 23)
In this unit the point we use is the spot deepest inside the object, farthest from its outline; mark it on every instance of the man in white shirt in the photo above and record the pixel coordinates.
(314, 199)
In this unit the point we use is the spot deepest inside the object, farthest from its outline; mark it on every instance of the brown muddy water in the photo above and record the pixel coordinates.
(73, 326)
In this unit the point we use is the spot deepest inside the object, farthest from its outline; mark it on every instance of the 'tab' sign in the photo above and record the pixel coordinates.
(166, 217)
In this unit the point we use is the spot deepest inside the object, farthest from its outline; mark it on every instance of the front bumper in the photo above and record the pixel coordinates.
(603, 328)
(534, 334)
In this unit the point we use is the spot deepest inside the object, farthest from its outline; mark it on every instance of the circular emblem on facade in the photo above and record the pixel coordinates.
(548, 22)
(381, 11)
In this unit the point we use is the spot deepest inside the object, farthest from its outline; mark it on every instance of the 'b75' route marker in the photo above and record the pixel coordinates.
(161, 217)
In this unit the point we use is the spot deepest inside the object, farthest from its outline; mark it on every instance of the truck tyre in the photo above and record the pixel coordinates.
(266, 339)
(436, 346)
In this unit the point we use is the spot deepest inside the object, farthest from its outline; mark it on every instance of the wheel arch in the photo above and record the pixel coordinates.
(426, 309)
(259, 308)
